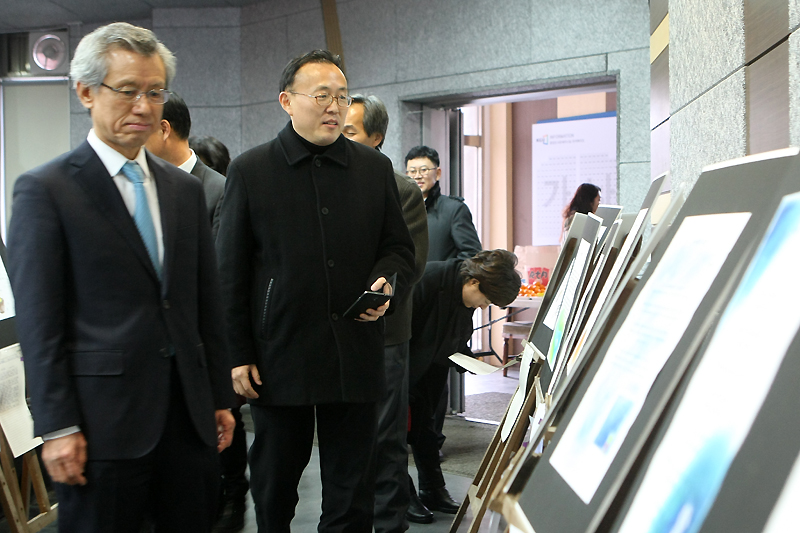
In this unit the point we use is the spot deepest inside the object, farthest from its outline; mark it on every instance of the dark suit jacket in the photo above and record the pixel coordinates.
(441, 323)
(301, 237)
(213, 186)
(95, 325)
(451, 232)
(398, 324)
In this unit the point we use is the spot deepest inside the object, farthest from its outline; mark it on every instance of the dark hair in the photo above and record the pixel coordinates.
(375, 118)
(315, 56)
(582, 201)
(211, 152)
(177, 114)
(494, 270)
(423, 151)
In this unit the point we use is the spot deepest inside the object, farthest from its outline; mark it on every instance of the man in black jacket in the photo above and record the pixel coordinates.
(451, 232)
(308, 222)
(444, 301)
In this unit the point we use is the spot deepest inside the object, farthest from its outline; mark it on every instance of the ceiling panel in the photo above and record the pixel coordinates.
(89, 11)
(22, 15)
(32, 14)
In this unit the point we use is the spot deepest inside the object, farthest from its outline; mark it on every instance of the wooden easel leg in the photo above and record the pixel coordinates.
(462, 511)
(11, 497)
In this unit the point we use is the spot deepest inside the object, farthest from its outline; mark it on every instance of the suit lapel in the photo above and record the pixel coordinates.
(90, 173)
(167, 205)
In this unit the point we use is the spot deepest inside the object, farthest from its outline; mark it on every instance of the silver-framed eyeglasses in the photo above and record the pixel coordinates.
(132, 94)
(326, 99)
(421, 171)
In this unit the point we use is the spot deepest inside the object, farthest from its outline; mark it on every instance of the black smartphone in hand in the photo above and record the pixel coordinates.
(369, 300)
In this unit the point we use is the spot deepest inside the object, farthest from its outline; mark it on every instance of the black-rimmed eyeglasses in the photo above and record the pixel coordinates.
(132, 94)
(422, 171)
(326, 99)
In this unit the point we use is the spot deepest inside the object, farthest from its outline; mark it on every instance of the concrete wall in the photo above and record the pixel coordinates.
(230, 61)
(734, 82)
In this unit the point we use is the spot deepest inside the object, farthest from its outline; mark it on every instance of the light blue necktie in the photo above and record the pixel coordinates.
(141, 215)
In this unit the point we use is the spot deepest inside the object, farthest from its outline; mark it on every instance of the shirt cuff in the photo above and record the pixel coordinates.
(61, 433)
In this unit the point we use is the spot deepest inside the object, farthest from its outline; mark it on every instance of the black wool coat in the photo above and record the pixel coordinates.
(301, 236)
(441, 324)
(451, 232)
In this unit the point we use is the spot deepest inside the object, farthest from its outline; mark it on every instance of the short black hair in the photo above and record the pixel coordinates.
(375, 118)
(494, 269)
(177, 114)
(315, 56)
(211, 152)
(423, 151)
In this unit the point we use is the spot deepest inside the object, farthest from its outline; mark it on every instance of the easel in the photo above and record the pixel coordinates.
(16, 498)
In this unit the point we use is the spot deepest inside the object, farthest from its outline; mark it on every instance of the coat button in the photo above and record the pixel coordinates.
(165, 304)
(324, 210)
(164, 352)
(334, 316)
(330, 263)
(317, 163)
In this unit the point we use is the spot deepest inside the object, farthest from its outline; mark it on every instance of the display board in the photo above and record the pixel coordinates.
(549, 501)
(558, 318)
(678, 484)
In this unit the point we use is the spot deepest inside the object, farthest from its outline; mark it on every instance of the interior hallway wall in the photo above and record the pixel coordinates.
(730, 80)
(408, 49)
(230, 61)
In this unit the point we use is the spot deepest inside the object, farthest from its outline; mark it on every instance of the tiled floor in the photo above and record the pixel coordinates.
(308, 510)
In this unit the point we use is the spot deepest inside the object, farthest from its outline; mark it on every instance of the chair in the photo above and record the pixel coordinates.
(513, 330)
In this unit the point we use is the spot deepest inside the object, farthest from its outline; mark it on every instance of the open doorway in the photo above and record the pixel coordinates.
(516, 179)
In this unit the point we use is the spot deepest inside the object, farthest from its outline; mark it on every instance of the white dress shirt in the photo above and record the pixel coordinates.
(114, 161)
(188, 165)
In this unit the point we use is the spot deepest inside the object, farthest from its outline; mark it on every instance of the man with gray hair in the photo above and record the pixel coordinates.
(366, 123)
(117, 301)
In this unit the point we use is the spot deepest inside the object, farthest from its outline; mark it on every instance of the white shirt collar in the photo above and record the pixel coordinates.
(188, 165)
(113, 160)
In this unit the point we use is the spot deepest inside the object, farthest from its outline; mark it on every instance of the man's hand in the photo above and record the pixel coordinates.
(241, 380)
(225, 423)
(374, 314)
(65, 458)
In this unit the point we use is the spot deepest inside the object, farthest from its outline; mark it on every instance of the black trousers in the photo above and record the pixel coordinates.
(233, 461)
(425, 395)
(281, 450)
(174, 487)
(391, 484)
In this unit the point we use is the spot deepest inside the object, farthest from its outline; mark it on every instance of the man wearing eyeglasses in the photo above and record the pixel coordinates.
(310, 221)
(117, 301)
(450, 229)
(451, 234)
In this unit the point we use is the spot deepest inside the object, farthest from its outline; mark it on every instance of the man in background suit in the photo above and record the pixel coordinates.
(170, 142)
(366, 123)
(112, 265)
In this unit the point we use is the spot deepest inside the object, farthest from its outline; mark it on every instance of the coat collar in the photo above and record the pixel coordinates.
(295, 151)
(89, 172)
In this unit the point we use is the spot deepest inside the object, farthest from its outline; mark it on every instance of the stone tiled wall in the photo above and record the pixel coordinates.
(230, 61)
(734, 82)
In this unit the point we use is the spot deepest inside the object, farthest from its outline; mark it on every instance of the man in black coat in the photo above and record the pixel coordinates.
(444, 301)
(451, 232)
(118, 308)
(309, 221)
(367, 121)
